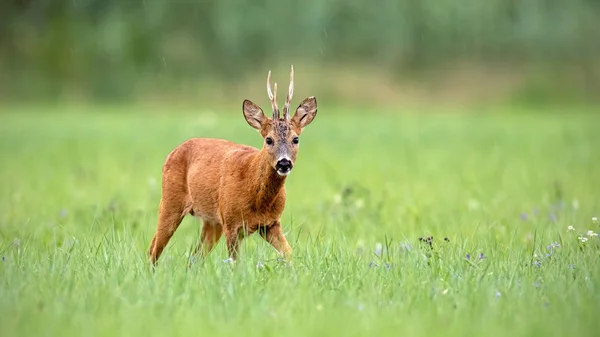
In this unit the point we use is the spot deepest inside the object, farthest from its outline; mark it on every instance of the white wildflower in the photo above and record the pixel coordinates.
(594, 219)
(571, 228)
(378, 249)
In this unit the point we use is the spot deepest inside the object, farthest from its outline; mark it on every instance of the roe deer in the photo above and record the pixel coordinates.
(235, 189)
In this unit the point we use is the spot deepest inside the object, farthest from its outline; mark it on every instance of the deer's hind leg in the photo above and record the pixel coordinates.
(171, 213)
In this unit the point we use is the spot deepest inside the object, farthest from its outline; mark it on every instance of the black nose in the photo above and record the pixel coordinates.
(284, 165)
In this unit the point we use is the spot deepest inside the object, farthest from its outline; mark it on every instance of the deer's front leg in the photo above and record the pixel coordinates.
(233, 238)
(274, 235)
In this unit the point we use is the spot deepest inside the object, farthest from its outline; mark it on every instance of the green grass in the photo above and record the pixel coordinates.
(78, 205)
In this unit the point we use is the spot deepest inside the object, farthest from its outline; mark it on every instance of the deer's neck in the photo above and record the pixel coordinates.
(267, 183)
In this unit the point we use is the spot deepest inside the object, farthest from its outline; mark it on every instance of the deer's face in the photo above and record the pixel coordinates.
(281, 135)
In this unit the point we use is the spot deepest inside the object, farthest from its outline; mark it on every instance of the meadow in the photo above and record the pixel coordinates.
(419, 224)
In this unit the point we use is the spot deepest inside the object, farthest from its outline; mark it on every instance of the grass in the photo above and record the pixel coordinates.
(78, 203)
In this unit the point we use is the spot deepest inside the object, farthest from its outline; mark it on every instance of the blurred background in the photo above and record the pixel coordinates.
(389, 53)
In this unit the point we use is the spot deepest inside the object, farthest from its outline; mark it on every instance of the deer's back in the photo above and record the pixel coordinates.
(196, 169)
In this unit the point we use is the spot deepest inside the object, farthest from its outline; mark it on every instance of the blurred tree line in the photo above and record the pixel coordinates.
(102, 48)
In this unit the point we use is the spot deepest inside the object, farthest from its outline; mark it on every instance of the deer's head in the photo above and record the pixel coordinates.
(281, 133)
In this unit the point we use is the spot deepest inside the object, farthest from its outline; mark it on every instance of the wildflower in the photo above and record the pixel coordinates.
(481, 256)
(378, 249)
(570, 228)
(445, 291)
(468, 256)
(583, 239)
(524, 216)
(591, 233)
(260, 265)
(594, 219)
(553, 245)
(552, 217)
(498, 294)
(373, 264)
(3, 259)
(405, 246)
(571, 266)
(537, 263)
(547, 254)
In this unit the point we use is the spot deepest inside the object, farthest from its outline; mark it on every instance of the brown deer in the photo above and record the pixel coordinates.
(235, 189)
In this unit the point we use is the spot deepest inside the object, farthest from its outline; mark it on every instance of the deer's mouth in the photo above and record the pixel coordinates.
(284, 173)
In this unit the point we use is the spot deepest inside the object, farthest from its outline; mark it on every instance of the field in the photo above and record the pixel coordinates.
(497, 192)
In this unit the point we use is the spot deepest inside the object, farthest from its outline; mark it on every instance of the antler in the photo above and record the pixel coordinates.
(272, 97)
(286, 107)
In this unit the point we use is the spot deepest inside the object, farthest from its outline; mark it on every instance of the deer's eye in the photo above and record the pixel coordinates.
(269, 141)
(295, 140)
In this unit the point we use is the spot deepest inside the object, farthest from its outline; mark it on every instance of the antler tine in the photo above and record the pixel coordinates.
(286, 107)
(272, 96)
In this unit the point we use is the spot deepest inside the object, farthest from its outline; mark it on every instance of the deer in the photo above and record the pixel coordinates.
(234, 189)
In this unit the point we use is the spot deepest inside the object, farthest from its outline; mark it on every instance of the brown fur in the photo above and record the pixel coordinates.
(235, 189)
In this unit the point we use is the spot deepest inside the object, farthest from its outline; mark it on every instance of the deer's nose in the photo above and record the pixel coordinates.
(284, 165)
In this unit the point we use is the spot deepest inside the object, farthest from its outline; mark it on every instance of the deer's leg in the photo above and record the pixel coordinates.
(274, 235)
(211, 233)
(233, 239)
(170, 215)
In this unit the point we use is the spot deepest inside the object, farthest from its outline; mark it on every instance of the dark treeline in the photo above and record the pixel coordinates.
(103, 47)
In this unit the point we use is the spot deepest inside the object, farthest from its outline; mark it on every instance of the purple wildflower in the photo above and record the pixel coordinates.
(3, 259)
(468, 256)
(481, 256)
(552, 217)
(373, 264)
(537, 263)
(524, 216)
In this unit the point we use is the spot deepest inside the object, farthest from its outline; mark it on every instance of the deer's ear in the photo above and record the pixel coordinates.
(253, 114)
(305, 112)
